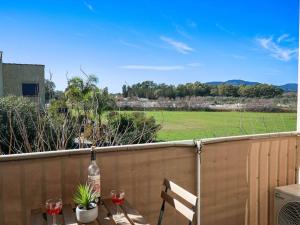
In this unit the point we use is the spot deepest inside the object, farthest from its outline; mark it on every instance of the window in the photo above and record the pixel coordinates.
(30, 89)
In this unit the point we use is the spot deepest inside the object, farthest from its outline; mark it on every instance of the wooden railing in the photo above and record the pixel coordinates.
(238, 176)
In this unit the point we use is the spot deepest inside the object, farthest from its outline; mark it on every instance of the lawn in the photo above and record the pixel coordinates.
(180, 125)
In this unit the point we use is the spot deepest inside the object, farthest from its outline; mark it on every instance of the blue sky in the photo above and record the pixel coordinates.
(165, 41)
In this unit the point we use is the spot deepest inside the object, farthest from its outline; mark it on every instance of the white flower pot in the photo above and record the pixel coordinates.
(86, 216)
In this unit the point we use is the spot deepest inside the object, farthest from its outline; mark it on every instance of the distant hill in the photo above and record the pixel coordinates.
(290, 87)
(233, 82)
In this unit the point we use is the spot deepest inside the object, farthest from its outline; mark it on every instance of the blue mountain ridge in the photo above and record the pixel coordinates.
(289, 87)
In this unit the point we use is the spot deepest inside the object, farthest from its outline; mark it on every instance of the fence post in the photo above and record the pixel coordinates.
(198, 178)
(298, 102)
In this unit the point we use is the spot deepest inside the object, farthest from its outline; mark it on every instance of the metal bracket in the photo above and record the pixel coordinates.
(199, 145)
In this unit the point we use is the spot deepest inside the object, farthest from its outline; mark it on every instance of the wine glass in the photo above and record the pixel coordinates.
(117, 197)
(53, 207)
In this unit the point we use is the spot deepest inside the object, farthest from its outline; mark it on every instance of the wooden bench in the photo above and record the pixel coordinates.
(105, 216)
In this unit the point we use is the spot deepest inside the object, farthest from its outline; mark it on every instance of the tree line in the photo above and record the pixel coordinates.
(151, 90)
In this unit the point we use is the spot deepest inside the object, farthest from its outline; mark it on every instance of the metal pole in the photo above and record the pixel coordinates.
(198, 178)
(298, 102)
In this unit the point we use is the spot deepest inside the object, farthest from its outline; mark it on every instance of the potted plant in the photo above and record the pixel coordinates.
(87, 209)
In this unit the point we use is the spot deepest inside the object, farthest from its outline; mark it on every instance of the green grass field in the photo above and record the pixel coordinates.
(180, 125)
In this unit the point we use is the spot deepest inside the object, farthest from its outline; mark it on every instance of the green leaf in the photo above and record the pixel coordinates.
(84, 195)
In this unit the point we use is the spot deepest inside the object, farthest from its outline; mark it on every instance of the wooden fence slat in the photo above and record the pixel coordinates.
(253, 183)
(273, 177)
(263, 182)
(282, 172)
(291, 161)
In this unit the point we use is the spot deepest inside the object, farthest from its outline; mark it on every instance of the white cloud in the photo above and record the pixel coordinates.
(181, 31)
(224, 29)
(89, 6)
(155, 68)
(129, 44)
(275, 50)
(177, 45)
(282, 37)
(285, 38)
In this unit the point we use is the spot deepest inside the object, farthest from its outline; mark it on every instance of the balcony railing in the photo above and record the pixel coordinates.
(236, 177)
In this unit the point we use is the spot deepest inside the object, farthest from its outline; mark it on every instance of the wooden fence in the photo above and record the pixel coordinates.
(237, 178)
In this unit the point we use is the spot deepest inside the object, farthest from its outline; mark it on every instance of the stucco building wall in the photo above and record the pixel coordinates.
(14, 75)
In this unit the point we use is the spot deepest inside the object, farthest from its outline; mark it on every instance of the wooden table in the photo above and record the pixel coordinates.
(105, 216)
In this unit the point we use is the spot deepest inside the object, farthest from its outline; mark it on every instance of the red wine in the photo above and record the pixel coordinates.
(117, 201)
(54, 211)
(54, 206)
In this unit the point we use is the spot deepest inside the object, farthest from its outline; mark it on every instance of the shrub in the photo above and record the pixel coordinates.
(24, 127)
(18, 117)
(132, 128)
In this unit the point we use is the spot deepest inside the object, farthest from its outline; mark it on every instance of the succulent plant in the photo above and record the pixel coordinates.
(84, 196)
